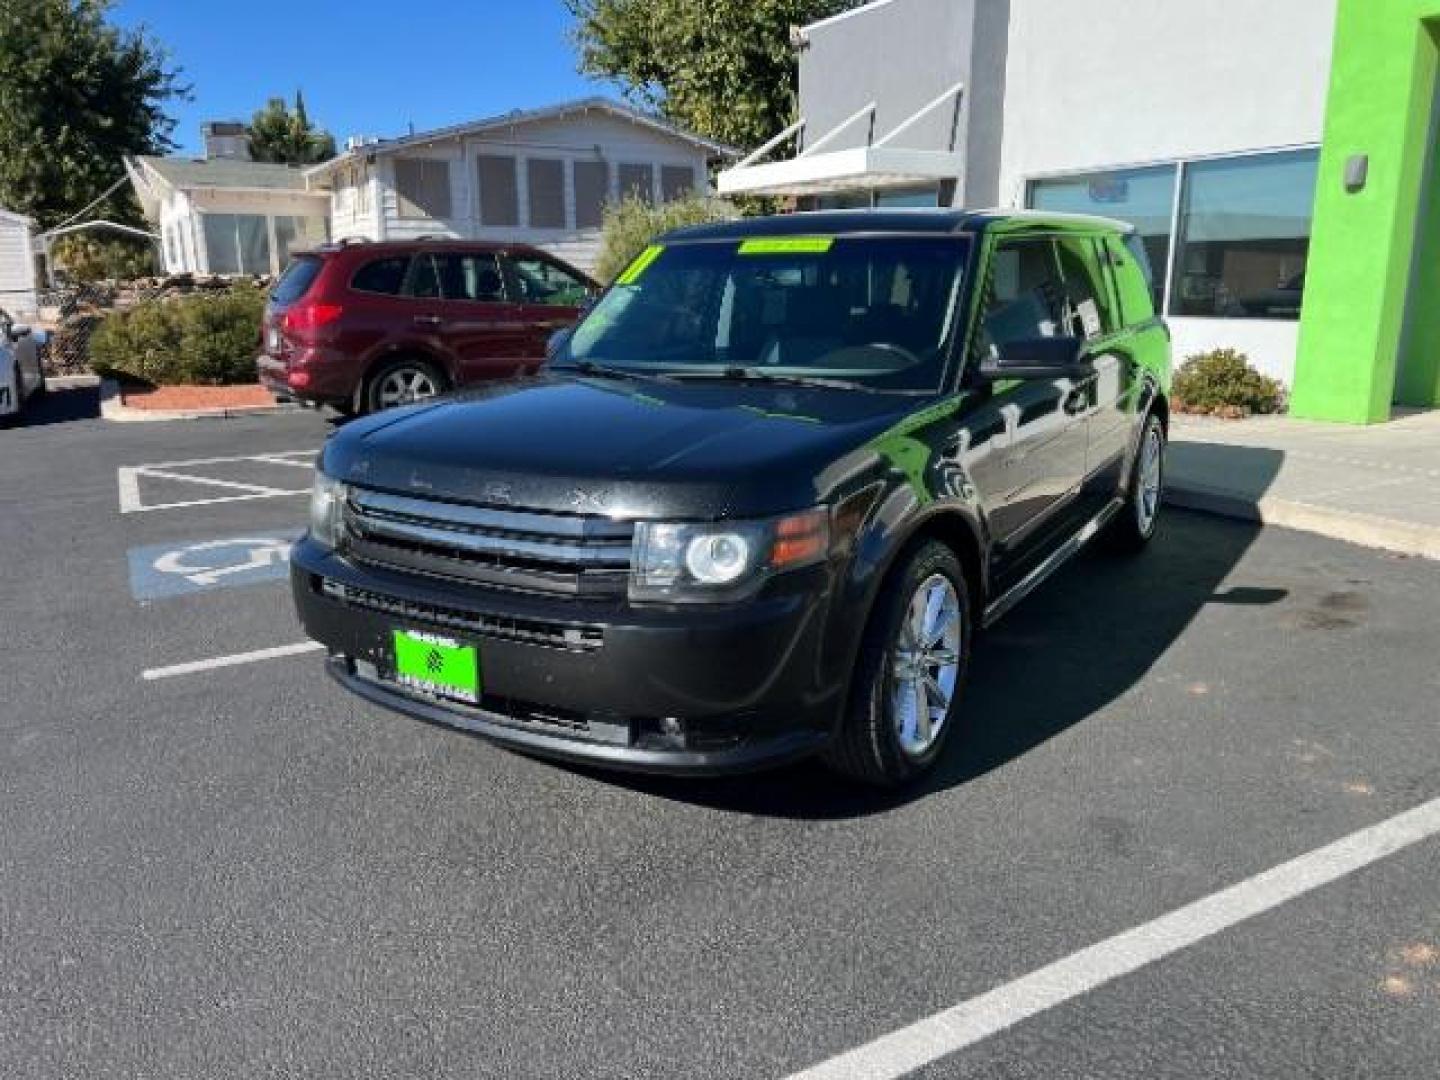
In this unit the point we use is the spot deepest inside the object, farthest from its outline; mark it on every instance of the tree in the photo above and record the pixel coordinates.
(722, 68)
(76, 95)
(280, 134)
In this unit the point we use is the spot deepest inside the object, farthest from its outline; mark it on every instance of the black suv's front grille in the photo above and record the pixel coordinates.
(554, 635)
(510, 549)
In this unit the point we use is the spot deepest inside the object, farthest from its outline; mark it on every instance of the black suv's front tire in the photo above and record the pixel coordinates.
(911, 672)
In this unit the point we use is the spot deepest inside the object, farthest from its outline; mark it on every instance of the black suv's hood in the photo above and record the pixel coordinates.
(634, 449)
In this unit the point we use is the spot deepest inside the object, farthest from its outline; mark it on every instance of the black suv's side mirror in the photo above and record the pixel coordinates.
(1038, 358)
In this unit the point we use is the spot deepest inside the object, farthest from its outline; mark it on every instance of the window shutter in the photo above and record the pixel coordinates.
(592, 192)
(499, 192)
(547, 193)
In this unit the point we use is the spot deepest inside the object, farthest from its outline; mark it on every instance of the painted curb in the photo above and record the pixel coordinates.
(113, 407)
(1367, 530)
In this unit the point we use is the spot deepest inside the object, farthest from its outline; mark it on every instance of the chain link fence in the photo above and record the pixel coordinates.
(70, 313)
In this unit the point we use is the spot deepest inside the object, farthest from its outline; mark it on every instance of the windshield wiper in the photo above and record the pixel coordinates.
(589, 367)
(738, 373)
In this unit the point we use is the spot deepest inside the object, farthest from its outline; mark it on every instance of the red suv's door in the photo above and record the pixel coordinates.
(550, 298)
(460, 301)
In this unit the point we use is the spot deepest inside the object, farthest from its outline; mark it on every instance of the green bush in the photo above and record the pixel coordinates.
(631, 225)
(1223, 383)
(209, 339)
(87, 258)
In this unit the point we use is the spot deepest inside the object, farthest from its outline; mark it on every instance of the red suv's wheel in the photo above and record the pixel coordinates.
(401, 382)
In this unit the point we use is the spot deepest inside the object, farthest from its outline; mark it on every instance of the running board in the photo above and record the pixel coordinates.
(1026, 585)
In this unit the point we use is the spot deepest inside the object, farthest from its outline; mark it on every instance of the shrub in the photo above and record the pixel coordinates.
(1223, 383)
(209, 339)
(86, 258)
(631, 225)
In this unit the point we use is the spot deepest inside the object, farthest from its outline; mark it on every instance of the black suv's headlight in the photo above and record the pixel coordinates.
(327, 505)
(723, 560)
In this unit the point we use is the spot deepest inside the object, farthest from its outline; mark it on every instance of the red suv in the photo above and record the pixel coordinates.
(363, 326)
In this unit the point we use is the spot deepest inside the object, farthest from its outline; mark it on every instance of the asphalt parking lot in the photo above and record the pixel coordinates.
(236, 869)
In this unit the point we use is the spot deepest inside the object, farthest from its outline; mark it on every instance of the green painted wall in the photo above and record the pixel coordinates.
(1382, 88)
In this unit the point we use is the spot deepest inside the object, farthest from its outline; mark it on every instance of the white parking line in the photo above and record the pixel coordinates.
(963, 1025)
(192, 666)
(128, 479)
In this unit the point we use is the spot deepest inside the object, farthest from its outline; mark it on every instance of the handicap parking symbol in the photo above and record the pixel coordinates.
(163, 570)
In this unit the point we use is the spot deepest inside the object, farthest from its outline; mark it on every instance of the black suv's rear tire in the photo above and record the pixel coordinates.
(1134, 526)
(402, 381)
(915, 656)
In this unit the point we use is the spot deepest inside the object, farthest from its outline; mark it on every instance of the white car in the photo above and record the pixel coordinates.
(21, 377)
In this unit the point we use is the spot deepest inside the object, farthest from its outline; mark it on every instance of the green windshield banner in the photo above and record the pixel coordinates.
(787, 245)
(640, 265)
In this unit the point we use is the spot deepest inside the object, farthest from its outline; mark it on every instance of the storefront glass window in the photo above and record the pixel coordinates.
(1143, 197)
(1245, 236)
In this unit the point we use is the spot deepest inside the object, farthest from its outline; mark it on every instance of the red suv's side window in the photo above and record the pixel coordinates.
(384, 276)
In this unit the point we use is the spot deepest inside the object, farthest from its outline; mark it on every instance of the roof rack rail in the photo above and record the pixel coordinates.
(348, 241)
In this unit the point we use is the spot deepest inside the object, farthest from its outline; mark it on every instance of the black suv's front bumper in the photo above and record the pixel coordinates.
(681, 690)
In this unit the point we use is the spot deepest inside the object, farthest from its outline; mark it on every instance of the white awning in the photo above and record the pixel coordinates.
(878, 165)
(867, 167)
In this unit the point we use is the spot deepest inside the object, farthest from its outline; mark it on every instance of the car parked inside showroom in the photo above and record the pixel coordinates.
(21, 374)
(365, 326)
(761, 500)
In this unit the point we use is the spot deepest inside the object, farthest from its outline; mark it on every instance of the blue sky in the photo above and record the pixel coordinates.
(366, 67)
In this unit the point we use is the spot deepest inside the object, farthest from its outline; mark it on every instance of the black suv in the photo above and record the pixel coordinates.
(760, 500)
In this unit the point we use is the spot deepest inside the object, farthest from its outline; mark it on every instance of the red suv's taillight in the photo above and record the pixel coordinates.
(307, 316)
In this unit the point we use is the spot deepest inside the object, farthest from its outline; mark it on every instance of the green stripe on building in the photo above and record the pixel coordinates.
(1370, 325)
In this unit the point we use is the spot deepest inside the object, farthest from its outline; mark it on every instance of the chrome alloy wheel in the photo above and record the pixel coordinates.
(1147, 490)
(404, 385)
(925, 665)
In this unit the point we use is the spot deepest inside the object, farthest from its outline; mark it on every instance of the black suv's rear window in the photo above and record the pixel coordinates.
(295, 282)
(385, 276)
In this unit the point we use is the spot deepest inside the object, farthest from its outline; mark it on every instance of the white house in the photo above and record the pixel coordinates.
(17, 266)
(540, 177)
(226, 215)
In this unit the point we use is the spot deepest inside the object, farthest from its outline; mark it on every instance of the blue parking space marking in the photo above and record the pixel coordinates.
(158, 571)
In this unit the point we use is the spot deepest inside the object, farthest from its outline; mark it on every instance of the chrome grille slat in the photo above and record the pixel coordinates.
(508, 549)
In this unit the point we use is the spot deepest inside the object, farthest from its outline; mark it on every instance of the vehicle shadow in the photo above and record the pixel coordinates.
(1083, 639)
(61, 406)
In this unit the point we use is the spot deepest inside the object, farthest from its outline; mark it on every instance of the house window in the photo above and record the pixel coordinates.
(422, 187)
(592, 192)
(499, 192)
(676, 181)
(1143, 197)
(1244, 236)
(237, 243)
(297, 233)
(637, 182)
(547, 193)
(362, 190)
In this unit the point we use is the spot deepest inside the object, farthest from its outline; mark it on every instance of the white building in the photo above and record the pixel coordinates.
(539, 177)
(17, 267)
(226, 215)
(1199, 122)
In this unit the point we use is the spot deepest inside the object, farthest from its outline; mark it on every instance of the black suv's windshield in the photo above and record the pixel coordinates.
(877, 311)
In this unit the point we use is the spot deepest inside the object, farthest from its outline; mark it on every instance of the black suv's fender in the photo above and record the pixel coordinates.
(898, 519)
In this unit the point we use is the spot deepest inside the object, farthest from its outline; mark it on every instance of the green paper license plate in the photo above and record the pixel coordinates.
(437, 665)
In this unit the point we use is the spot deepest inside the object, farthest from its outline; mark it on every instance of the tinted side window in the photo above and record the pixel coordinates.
(1087, 311)
(1023, 298)
(470, 277)
(384, 276)
(1134, 282)
(424, 280)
